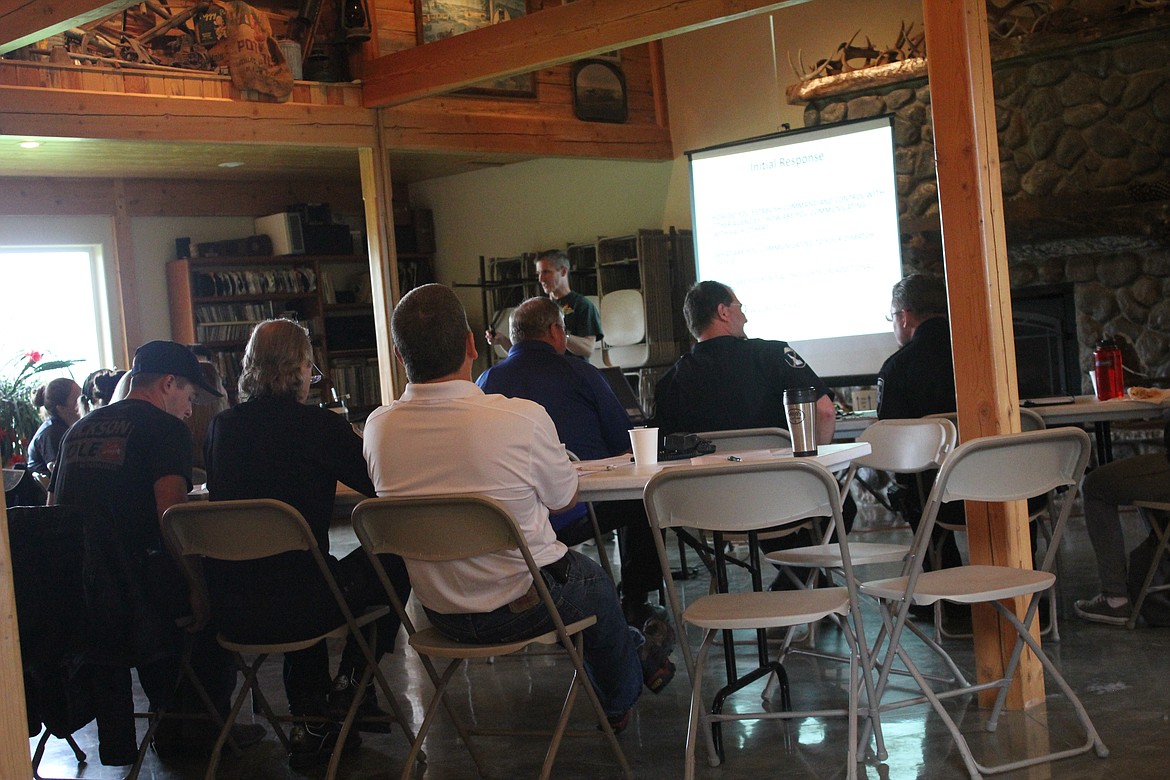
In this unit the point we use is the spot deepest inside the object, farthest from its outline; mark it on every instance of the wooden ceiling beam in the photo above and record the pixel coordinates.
(542, 39)
(27, 21)
(76, 114)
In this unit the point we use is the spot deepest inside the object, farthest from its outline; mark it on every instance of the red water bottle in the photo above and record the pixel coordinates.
(1107, 370)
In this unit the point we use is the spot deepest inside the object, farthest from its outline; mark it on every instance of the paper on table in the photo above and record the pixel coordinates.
(746, 456)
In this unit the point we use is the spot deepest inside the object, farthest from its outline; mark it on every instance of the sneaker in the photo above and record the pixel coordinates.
(657, 668)
(370, 718)
(1097, 610)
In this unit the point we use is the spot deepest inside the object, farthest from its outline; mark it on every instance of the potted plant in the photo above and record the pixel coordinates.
(18, 415)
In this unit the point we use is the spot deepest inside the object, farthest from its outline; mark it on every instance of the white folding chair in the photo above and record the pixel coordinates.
(456, 527)
(746, 499)
(1004, 468)
(247, 530)
(899, 446)
(1043, 515)
(1157, 516)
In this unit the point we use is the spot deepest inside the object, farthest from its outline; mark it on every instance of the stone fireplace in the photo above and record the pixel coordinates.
(1083, 121)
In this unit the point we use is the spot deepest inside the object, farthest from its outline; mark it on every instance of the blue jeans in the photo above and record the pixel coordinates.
(611, 647)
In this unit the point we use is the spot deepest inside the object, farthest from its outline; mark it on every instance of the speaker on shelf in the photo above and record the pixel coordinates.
(252, 246)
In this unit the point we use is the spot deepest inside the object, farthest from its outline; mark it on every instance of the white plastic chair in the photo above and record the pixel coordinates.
(1043, 516)
(472, 526)
(623, 321)
(746, 498)
(1004, 468)
(899, 446)
(247, 530)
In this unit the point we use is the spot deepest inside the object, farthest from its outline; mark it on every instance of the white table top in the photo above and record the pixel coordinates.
(1084, 409)
(614, 479)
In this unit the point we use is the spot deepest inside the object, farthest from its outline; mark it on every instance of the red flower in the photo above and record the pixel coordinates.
(33, 357)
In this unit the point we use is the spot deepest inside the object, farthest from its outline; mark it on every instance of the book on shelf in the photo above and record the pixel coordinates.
(358, 379)
(266, 281)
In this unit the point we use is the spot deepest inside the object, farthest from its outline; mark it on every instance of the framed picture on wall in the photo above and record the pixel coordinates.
(599, 91)
(438, 19)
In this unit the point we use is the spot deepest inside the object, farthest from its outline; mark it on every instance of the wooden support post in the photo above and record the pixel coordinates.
(126, 272)
(375, 173)
(14, 756)
(975, 251)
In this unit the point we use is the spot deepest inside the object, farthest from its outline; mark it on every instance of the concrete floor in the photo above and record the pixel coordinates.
(1120, 675)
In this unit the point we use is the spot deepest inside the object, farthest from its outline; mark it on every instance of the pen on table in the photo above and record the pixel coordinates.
(734, 458)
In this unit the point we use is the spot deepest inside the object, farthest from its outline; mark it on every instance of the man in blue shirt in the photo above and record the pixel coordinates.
(590, 422)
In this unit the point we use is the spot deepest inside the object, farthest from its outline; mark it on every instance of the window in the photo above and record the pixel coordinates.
(54, 303)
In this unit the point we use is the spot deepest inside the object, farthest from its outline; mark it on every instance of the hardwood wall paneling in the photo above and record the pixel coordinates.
(170, 83)
(40, 197)
(161, 197)
(44, 197)
(39, 112)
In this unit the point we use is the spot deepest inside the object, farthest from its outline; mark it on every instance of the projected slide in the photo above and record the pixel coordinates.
(804, 227)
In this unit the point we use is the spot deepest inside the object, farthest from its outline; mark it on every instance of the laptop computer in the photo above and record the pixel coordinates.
(625, 393)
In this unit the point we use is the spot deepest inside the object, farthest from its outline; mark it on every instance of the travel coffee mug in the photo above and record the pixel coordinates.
(800, 408)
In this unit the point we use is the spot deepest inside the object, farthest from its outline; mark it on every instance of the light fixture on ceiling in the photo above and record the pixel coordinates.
(230, 164)
(29, 144)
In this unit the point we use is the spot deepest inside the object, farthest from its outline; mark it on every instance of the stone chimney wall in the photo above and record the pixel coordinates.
(1084, 144)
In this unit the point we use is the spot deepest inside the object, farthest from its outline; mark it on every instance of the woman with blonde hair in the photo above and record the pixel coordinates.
(275, 445)
(60, 399)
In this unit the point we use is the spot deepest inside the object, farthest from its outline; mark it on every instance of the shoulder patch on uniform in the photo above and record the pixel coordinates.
(793, 359)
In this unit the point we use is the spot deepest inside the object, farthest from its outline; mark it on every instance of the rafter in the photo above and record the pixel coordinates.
(27, 21)
(539, 40)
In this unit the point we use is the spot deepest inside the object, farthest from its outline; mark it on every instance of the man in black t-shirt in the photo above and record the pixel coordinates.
(728, 381)
(129, 462)
(582, 320)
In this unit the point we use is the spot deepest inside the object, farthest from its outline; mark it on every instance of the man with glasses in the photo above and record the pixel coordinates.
(728, 381)
(275, 445)
(918, 379)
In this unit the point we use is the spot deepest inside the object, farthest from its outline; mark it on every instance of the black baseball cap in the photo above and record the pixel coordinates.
(169, 357)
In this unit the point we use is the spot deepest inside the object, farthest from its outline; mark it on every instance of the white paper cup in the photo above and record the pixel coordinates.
(645, 444)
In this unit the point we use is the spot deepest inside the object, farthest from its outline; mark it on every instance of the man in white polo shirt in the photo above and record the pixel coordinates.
(446, 436)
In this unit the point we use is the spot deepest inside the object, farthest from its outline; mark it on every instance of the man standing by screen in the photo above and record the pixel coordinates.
(582, 320)
(728, 381)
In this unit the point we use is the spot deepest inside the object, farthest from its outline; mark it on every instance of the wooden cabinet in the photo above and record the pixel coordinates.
(216, 301)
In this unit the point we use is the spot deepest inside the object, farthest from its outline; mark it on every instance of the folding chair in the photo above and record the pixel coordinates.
(1041, 511)
(1157, 516)
(748, 498)
(899, 446)
(598, 540)
(1011, 467)
(739, 440)
(457, 527)
(258, 528)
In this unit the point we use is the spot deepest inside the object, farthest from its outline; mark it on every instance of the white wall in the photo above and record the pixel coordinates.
(154, 245)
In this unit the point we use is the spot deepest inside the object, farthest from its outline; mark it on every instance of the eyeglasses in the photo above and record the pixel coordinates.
(893, 315)
(315, 374)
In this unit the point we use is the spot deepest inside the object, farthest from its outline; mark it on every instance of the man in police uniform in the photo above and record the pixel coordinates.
(728, 381)
(918, 379)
